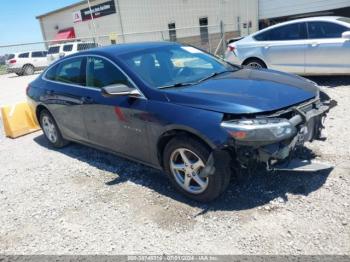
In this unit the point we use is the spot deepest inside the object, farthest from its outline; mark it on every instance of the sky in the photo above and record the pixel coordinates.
(17, 19)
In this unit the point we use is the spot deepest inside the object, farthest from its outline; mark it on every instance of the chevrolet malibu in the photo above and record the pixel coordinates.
(177, 108)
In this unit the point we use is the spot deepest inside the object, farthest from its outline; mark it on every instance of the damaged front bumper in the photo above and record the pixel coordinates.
(273, 139)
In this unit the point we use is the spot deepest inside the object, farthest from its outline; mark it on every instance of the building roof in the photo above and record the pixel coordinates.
(63, 8)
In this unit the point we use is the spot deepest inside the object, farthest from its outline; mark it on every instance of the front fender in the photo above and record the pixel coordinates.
(165, 117)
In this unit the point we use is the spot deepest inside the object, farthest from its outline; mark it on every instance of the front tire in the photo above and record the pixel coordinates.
(184, 158)
(51, 130)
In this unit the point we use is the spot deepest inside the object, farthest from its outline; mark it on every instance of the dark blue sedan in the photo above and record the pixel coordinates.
(177, 108)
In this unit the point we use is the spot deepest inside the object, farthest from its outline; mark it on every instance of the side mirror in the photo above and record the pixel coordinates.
(120, 90)
(346, 35)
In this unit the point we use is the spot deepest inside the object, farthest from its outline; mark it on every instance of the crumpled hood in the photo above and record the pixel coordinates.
(245, 91)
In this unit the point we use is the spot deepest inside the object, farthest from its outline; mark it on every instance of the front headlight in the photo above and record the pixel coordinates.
(260, 130)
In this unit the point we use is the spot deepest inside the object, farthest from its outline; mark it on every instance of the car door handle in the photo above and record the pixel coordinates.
(267, 47)
(315, 44)
(87, 100)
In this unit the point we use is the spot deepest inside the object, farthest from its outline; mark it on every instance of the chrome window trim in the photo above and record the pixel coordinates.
(43, 76)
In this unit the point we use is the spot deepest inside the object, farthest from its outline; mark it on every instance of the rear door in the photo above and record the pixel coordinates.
(117, 123)
(65, 95)
(22, 60)
(327, 52)
(39, 59)
(283, 48)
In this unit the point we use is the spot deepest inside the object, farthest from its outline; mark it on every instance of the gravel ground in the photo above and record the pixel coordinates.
(79, 200)
(12, 88)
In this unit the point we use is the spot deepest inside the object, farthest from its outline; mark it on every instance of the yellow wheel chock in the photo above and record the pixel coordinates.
(18, 120)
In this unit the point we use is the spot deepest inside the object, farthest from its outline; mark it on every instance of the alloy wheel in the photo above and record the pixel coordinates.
(29, 70)
(49, 129)
(255, 65)
(186, 166)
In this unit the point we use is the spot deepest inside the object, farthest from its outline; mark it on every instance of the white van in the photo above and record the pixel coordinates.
(60, 50)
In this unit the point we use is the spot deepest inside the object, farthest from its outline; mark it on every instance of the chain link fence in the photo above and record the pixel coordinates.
(26, 58)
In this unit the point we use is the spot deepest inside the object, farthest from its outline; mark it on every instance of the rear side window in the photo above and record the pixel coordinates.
(51, 73)
(23, 55)
(319, 30)
(67, 48)
(101, 73)
(53, 50)
(290, 32)
(70, 71)
(84, 46)
(39, 54)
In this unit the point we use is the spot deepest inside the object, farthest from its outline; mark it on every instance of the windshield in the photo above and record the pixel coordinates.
(174, 65)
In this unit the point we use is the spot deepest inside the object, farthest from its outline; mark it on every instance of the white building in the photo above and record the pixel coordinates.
(143, 20)
(275, 11)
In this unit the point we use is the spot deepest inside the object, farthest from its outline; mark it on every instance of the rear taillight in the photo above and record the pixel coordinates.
(12, 61)
(231, 48)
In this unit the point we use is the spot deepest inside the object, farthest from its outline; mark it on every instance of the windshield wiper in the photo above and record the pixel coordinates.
(197, 82)
(176, 85)
(215, 74)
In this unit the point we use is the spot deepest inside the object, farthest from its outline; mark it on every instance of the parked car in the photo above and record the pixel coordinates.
(199, 121)
(3, 59)
(26, 63)
(63, 49)
(310, 46)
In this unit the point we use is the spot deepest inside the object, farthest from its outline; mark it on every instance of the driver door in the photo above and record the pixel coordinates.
(117, 123)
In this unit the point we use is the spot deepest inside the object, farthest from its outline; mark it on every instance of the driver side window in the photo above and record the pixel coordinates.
(101, 73)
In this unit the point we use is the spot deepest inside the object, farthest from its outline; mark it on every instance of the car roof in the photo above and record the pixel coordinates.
(71, 43)
(119, 49)
(308, 19)
(24, 52)
(317, 18)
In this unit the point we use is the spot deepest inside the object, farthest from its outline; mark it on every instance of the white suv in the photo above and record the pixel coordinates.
(60, 50)
(26, 63)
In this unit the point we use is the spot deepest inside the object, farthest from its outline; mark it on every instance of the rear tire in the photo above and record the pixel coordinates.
(28, 70)
(51, 130)
(255, 64)
(181, 171)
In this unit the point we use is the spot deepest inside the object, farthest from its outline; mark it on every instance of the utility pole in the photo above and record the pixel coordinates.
(222, 26)
(93, 22)
(120, 21)
(247, 15)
